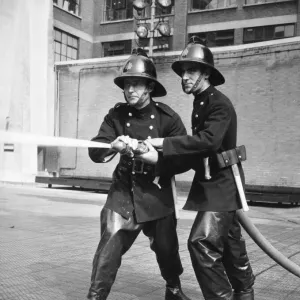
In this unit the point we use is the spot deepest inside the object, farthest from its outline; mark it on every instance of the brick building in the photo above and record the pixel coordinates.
(98, 28)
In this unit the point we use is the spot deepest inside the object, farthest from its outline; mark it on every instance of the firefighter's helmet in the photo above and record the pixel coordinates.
(197, 52)
(139, 65)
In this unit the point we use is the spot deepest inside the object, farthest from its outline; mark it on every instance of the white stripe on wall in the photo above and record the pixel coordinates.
(114, 37)
(78, 33)
(242, 23)
(119, 37)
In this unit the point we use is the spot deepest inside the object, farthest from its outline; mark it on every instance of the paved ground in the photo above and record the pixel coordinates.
(48, 238)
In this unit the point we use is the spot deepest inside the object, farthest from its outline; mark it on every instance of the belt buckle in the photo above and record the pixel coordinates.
(138, 166)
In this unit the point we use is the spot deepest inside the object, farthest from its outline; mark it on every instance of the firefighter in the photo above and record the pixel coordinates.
(137, 201)
(216, 246)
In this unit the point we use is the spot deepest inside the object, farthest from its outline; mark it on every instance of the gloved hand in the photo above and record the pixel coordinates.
(124, 145)
(150, 157)
(156, 142)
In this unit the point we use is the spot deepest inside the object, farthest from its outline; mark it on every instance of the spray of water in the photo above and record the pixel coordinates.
(50, 141)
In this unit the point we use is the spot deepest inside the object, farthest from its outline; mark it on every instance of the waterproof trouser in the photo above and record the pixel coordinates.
(219, 256)
(117, 236)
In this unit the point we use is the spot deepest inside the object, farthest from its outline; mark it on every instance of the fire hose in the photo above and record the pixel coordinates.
(259, 239)
(244, 220)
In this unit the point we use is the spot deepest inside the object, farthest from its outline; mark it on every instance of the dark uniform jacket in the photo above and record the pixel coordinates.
(214, 126)
(133, 192)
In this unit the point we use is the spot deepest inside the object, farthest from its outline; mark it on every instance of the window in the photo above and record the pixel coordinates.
(117, 48)
(211, 4)
(71, 6)
(159, 10)
(160, 44)
(118, 10)
(65, 46)
(266, 33)
(216, 38)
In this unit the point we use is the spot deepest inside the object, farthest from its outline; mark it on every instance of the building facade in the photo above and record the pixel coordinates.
(99, 28)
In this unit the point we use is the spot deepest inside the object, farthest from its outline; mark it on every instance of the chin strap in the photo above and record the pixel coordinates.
(200, 78)
(145, 92)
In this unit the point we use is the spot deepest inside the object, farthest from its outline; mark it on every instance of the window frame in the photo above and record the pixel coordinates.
(208, 6)
(61, 4)
(65, 44)
(204, 36)
(107, 45)
(111, 14)
(158, 44)
(264, 30)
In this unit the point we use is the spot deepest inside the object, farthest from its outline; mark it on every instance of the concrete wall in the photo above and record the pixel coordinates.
(26, 83)
(262, 80)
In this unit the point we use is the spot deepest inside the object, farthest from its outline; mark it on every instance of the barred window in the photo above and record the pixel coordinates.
(266, 33)
(216, 38)
(65, 46)
(117, 48)
(211, 4)
(71, 6)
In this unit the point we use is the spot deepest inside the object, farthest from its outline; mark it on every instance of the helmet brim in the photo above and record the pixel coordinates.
(158, 91)
(215, 78)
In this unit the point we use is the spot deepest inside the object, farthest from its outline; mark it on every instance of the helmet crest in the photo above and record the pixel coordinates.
(197, 52)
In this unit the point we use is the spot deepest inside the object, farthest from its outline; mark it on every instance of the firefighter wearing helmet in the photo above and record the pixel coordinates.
(137, 201)
(217, 249)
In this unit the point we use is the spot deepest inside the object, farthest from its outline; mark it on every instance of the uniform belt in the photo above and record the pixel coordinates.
(231, 157)
(227, 158)
(136, 166)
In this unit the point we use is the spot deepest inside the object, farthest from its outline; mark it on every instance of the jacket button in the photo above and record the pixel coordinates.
(149, 137)
(196, 116)
(133, 173)
(130, 114)
(152, 116)
(150, 127)
(201, 103)
(128, 124)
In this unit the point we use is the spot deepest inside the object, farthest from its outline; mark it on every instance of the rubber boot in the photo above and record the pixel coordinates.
(244, 295)
(174, 291)
(100, 296)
